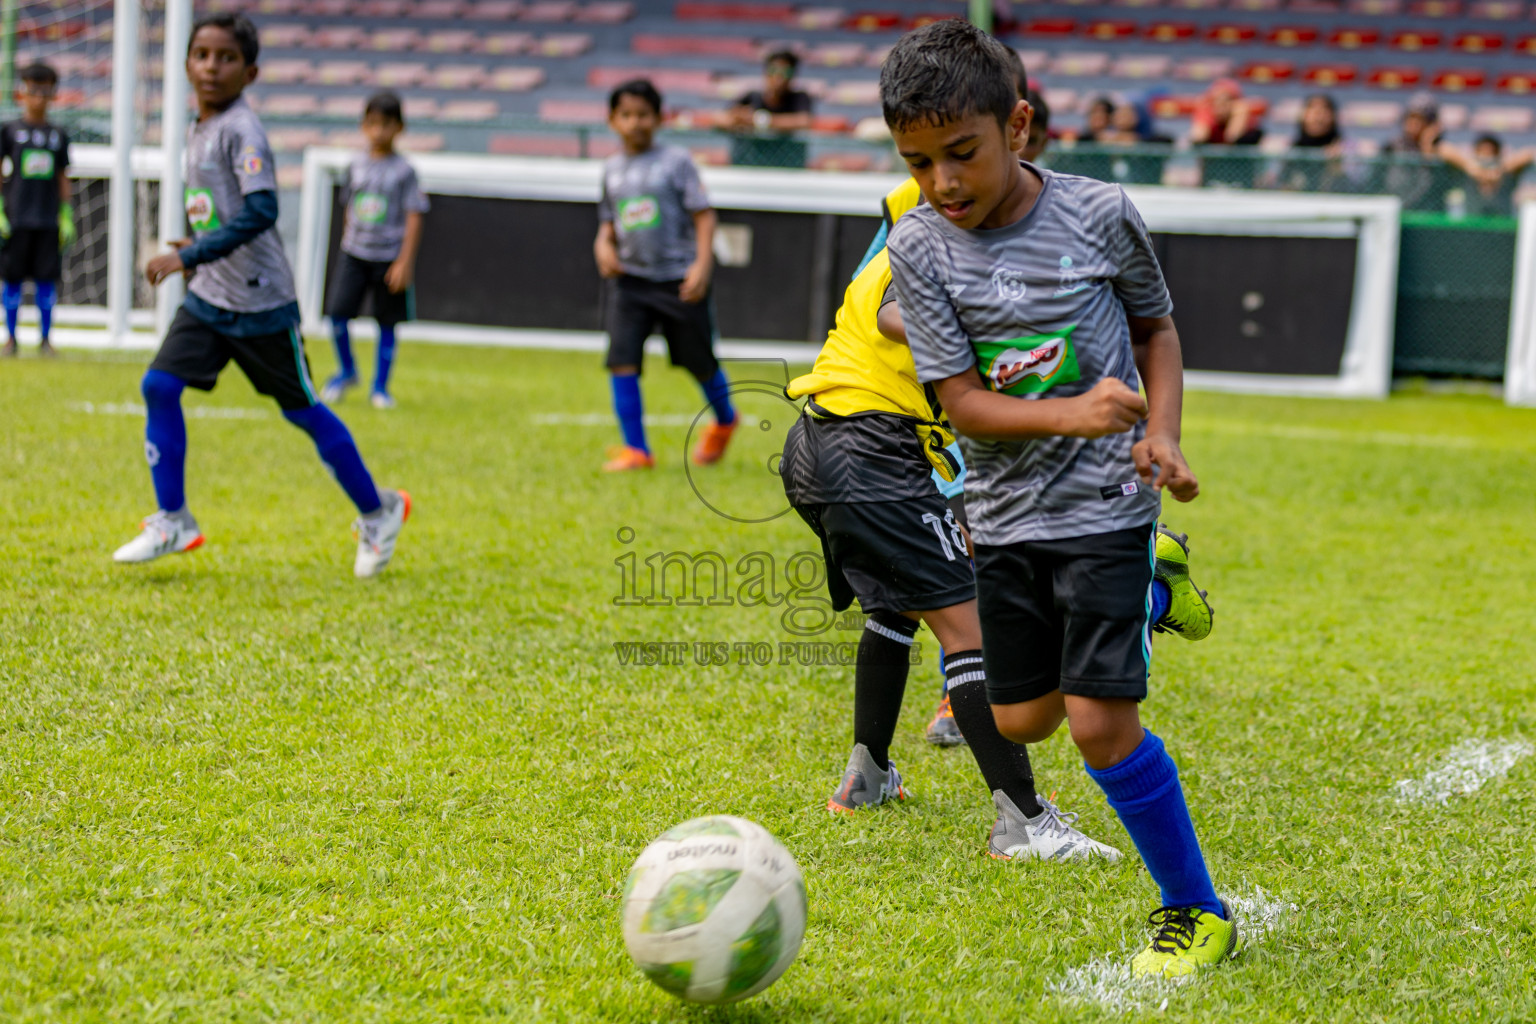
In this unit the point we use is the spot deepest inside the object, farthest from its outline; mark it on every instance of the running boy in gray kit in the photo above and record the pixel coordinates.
(383, 204)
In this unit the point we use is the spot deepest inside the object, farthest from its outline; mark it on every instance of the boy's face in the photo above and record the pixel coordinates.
(33, 98)
(216, 67)
(966, 168)
(1487, 152)
(634, 121)
(381, 131)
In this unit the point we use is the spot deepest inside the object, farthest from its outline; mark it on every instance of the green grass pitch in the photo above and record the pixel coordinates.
(241, 786)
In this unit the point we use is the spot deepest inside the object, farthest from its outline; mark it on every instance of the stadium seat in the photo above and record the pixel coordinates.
(1203, 69)
(1414, 40)
(522, 144)
(287, 72)
(1375, 8)
(1265, 72)
(1285, 112)
(690, 11)
(343, 72)
(1255, 5)
(854, 93)
(1353, 38)
(877, 55)
(1292, 35)
(605, 12)
(421, 142)
(457, 77)
(328, 9)
(1526, 45)
(1145, 66)
(393, 40)
(831, 124)
(1174, 108)
(549, 11)
(1137, 4)
(732, 87)
(419, 108)
(437, 10)
(1231, 34)
(1478, 42)
(817, 19)
(735, 47)
(452, 40)
(290, 104)
(1050, 28)
(694, 83)
(1080, 64)
(349, 107)
(837, 55)
(1313, 6)
(1171, 31)
(293, 140)
(1459, 80)
(509, 79)
(857, 163)
(400, 74)
(1517, 83)
(1329, 75)
(505, 43)
(1370, 114)
(710, 156)
(381, 9)
(1453, 116)
(469, 111)
(873, 21)
(494, 10)
(574, 111)
(1435, 8)
(284, 35)
(1062, 101)
(1501, 119)
(1110, 29)
(346, 138)
(1397, 77)
(335, 37)
(280, 6)
(563, 44)
(1497, 10)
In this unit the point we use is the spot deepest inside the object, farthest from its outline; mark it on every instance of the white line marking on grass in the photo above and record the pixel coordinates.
(606, 419)
(196, 412)
(1347, 436)
(1106, 981)
(1463, 769)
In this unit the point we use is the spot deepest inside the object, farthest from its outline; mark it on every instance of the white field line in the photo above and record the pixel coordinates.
(1106, 981)
(196, 412)
(1381, 437)
(605, 419)
(1463, 769)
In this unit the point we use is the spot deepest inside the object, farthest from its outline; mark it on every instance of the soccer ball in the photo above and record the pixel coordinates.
(714, 910)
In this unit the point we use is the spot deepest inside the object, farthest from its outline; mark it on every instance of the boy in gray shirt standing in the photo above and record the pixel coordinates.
(383, 204)
(655, 234)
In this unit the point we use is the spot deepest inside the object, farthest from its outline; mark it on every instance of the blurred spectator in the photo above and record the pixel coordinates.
(777, 107)
(1493, 175)
(1318, 133)
(1039, 127)
(1412, 177)
(1097, 119)
(1131, 125)
(1224, 118)
(1319, 125)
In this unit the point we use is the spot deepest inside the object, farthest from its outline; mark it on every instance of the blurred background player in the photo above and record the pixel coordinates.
(36, 221)
(240, 305)
(384, 204)
(655, 235)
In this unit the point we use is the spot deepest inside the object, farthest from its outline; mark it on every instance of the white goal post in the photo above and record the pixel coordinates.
(1520, 364)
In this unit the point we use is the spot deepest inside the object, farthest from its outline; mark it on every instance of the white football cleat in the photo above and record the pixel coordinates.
(1049, 835)
(164, 534)
(381, 400)
(376, 537)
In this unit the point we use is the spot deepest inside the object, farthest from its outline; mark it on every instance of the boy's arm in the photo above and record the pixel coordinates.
(257, 214)
(1160, 361)
(403, 270)
(606, 251)
(696, 282)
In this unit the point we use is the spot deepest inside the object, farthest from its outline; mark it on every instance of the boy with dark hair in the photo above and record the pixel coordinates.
(240, 305)
(654, 240)
(36, 221)
(383, 204)
(1034, 307)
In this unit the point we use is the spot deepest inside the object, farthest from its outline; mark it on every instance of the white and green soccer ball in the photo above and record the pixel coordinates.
(714, 910)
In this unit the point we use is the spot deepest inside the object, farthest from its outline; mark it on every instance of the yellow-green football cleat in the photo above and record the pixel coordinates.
(1189, 614)
(1187, 939)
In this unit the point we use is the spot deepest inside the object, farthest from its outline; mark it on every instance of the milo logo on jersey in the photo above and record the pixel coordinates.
(201, 213)
(370, 207)
(1028, 366)
(639, 213)
(36, 163)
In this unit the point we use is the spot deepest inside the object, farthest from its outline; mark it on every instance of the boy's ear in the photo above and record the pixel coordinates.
(1018, 124)
(251, 73)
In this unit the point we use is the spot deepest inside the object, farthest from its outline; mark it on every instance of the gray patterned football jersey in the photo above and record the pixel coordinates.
(651, 199)
(227, 158)
(379, 192)
(1039, 309)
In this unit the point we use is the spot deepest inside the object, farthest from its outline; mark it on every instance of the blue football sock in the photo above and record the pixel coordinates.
(386, 355)
(1144, 790)
(1162, 597)
(10, 298)
(47, 296)
(339, 452)
(342, 339)
(943, 676)
(718, 391)
(165, 438)
(630, 410)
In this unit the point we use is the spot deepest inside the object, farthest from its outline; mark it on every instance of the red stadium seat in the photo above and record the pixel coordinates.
(327, 9)
(563, 44)
(1329, 75)
(1110, 30)
(336, 37)
(469, 111)
(574, 111)
(1413, 40)
(506, 43)
(735, 47)
(549, 10)
(1497, 10)
(287, 72)
(817, 19)
(1478, 42)
(1459, 80)
(438, 10)
(1230, 34)
(453, 40)
(1144, 66)
(692, 11)
(511, 79)
(1265, 72)
(1174, 108)
(1140, 4)
(401, 74)
(1203, 69)
(393, 40)
(1353, 38)
(1399, 77)
(494, 10)
(605, 12)
(831, 124)
(280, 6)
(1255, 5)
(1370, 114)
(1082, 64)
(697, 83)
(343, 72)
(284, 35)
(837, 55)
(1050, 27)
(1376, 8)
(1527, 44)
(1195, 5)
(1313, 6)
(1171, 31)
(457, 77)
(1518, 83)
(1435, 8)
(381, 8)
(873, 21)
(1293, 35)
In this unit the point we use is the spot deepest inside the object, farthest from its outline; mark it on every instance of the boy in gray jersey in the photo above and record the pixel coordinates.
(240, 305)
(1035, 307)
(654, 236)
(383, 204)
